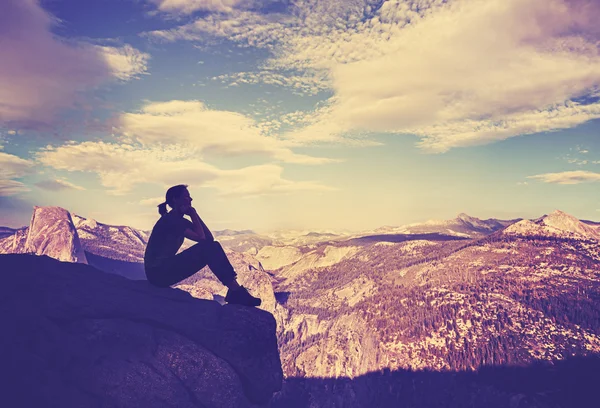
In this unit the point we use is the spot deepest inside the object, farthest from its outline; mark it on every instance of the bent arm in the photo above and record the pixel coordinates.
(207, 233)
(200, 230)
(193, 235)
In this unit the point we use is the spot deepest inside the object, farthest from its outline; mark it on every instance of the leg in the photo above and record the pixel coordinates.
(188, 262)
(219, 264)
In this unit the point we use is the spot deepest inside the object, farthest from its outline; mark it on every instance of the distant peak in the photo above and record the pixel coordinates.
(558, 212)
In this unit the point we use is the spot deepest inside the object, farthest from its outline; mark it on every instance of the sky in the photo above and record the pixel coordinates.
(300, 114)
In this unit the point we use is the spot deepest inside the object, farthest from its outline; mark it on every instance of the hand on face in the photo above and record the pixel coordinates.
(188, 210)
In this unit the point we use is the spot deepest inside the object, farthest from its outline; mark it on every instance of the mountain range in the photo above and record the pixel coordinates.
(454, 295)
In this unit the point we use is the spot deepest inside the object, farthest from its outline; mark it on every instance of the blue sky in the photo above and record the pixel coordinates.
(300, 114)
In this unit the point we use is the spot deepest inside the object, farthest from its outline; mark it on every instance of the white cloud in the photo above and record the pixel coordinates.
(12, 166)
(458, 73)
(57, 185)
(12, 187)
(459, 133)
(120, 167)
(260, 180)
(568, 177)
(192, 125)
(307, 84)
(581, 149)
(578, 162)
(245, 27)
(125, 62)
(317, 127)
(190, 6)
(460, 78)
(153, 202)
(42, 75)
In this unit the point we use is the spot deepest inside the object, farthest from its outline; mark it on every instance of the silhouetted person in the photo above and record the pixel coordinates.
(165, 267)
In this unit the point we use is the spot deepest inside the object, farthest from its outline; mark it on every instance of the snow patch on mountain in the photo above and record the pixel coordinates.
(81, 222)
(319, 258)
(567, 222)
(411, 246)
(557, 224)
(463, 226)
(456, 233)
(274, 257)
(356, 290)
(83, 234)
(530, 228)
(305, 237)
(386, 230)
(115, 242)
(385, 244)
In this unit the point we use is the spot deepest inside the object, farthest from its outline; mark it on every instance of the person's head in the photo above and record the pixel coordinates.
(179, 199)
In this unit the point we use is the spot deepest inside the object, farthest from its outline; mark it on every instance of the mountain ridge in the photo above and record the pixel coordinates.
(498, 294)
(285, 237)
(555, 224)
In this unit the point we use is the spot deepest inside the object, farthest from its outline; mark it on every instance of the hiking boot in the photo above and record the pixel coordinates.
(241, 297)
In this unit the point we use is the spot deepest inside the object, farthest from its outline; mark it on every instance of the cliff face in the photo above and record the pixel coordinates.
(51, 232)
(81, 337)
(14, 243)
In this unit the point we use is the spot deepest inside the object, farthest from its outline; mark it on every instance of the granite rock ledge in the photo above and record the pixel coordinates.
(74, 336)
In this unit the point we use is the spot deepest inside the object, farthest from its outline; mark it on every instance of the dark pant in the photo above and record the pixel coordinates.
(188, 262)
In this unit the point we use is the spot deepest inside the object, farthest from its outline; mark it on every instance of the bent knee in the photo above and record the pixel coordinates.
(211, 243)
